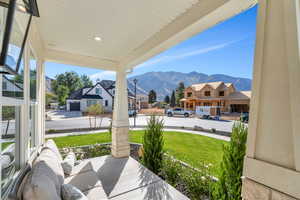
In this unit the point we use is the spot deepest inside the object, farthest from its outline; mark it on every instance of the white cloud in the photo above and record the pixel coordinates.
(107, 75)
(189, 53)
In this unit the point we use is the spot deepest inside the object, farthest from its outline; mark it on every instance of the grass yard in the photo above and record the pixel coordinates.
(190, 148)
(5, 144)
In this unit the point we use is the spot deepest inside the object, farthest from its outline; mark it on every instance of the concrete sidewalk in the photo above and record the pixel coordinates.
(211, 135)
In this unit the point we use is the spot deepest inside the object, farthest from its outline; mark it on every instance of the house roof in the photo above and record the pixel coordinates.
(89, 96)
(240, 95)
(200, 86)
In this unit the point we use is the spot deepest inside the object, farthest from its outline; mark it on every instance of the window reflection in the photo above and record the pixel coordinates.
(10, 130)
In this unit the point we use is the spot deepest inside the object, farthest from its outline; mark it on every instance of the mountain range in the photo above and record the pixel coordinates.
(165, 82)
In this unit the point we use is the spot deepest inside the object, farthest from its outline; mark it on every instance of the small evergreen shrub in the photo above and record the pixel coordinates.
(153, 143)
(230, 184)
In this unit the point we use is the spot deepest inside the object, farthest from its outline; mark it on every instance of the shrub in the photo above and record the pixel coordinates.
(198, 182)
(229, 185)
(172, 171)
(153, 143)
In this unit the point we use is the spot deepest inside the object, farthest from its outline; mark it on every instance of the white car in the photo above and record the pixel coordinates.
(179, 111)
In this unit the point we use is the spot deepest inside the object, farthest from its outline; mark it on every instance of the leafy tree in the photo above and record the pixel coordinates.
(50, 98)
(179, 93)
(86, 81)
(71, 80)
(62, 93)
(173, 100)
(152, 96)
(153, 143)
(94, 111)
(167, 99)
(230, 184)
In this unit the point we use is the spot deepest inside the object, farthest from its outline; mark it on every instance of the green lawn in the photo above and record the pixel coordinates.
(5, 144)
(190, 148)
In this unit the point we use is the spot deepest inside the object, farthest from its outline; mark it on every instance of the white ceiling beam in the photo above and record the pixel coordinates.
(200, 17)
(80, 60)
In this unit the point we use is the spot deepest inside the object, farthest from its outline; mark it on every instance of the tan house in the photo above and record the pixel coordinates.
(223, 96)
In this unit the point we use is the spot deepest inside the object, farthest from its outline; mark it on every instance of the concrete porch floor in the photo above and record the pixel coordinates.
(125, 178)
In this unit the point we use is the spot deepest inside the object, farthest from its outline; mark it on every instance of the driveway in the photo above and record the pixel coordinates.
(83, 122)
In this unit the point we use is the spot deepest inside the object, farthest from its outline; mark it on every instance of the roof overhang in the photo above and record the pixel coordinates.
(131, 32)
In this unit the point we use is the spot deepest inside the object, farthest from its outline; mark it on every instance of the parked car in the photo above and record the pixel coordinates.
(179, 111)
(244, 117)
(131, 113)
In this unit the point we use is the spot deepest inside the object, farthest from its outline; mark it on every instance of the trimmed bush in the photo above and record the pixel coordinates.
(153, 143)
(230, 184)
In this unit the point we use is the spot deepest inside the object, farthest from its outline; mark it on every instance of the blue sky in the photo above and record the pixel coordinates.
(227, 48)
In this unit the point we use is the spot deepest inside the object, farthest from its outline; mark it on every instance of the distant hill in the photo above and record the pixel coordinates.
(164, 82)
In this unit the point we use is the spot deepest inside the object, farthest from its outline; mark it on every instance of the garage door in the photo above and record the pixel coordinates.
(75, 106)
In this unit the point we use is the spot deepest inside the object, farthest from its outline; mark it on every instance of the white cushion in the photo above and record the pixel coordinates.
(50, 159)
(70, 192)
(68, 163)
(41, 183)
(51, 145)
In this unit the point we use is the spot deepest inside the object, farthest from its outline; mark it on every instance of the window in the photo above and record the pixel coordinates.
(98, 91)
(189, 94)
(221, 93)
(106, 103)
(33, 101)
(10, 123)
(4, 85)
(91, 102)
(207, 93)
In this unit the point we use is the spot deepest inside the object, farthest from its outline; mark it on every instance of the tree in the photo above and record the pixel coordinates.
(50, 98)
(71, 80)
(62, 93)
(153, 143)
(230, 184)
(152, 96)
(94, 111)
(179, 93)
(167, 99)
(86, 81)
(173, 100)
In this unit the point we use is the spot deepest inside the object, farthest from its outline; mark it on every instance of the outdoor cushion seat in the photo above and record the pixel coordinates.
(96, 193)
(84, 181)
(41, 184)
(51, 145)
(50, 159)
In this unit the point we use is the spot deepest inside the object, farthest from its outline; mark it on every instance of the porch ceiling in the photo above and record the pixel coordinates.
(131, 31)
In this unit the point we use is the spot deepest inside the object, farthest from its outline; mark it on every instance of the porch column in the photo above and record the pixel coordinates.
(41, 102)
(120, 125)
(272, 162)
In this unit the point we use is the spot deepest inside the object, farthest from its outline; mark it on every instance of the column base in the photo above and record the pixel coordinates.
(120, 144)
(255, 191)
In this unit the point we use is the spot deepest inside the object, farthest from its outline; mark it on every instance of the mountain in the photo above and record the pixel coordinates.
(165, 82)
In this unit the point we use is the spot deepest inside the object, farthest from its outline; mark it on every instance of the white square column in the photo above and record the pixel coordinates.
(120, 124)
(272, 162)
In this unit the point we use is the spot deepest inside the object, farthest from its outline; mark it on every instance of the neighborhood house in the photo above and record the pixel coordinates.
(101, 93)
(222, 96)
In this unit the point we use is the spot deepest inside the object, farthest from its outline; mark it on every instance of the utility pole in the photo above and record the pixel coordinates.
(135, 113)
